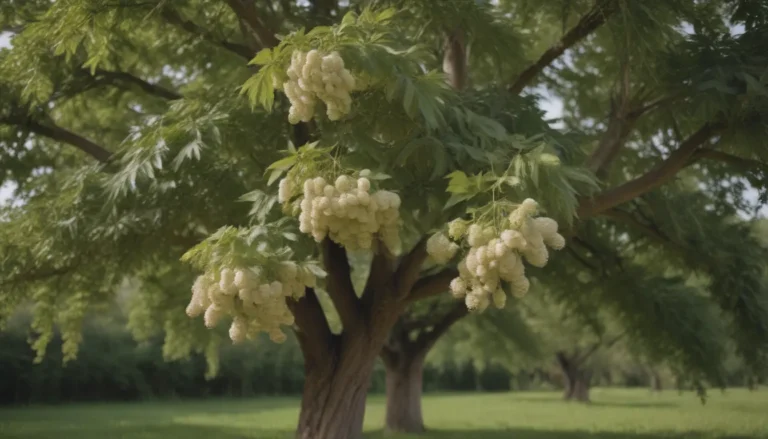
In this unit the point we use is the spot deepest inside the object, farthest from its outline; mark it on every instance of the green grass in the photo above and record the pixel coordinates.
(615, 414)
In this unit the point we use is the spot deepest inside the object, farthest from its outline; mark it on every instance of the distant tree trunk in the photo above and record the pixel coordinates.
(656, 384)
(403, 358)
(576, 379)
(404, 380)
(751, 383)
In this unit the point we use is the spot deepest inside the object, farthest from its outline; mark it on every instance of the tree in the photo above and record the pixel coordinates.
(630, 89)
(147, 96)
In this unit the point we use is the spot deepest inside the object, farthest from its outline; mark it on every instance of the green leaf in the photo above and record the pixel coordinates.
(259, 89)
(319, 31)
(263, 57)
(284, 163)
(408, 98)
(459, 183)
(511, 181)
(370, 175)
(274, 176)
(456, 199)
(754, 85)
(349, 19)
(385, 15)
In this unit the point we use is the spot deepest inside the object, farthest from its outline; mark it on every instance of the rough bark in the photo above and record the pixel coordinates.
(404, 378)
(455, 58)
(335, 389)
(403, 358)
(576, 378)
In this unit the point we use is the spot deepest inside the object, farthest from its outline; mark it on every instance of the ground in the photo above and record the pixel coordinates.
(615, 414)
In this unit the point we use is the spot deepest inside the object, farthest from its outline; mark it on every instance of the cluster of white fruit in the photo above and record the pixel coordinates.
(347, 212)
(254, 298)
(440, 248)
(494, 258)
(313, 76)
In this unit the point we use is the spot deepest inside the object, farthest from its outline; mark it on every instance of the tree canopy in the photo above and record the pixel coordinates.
(301, 145)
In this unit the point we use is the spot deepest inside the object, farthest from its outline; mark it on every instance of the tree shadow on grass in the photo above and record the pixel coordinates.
(521, 433)
(149, 432)
(110, 410)
(185, 431)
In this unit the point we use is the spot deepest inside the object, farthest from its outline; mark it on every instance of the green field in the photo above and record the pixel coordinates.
(632, 414)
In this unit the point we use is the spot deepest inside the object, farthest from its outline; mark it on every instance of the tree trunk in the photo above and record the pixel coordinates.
(335, 389)
(751, 383)
(575, 378)
(656, 384)
(405, 371)
(403, 358)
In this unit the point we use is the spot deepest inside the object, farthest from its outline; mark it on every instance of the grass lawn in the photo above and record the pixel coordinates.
(615, 414)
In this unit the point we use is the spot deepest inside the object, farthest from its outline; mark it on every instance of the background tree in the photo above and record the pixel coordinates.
(175, 145)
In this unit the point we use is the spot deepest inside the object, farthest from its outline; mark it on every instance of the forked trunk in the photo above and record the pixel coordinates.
(404, 384)
(335, 389)
(577, 387)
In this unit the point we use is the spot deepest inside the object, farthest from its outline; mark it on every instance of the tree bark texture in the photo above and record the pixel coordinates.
(403, 357)
(335, 390)
(404, 379)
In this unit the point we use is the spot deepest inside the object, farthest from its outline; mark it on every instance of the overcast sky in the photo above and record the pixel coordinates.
(5, 190)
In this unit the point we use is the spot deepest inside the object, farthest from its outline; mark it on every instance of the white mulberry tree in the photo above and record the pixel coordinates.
(271, 143)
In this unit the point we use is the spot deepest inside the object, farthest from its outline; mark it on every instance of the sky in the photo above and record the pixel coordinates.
(5, 190)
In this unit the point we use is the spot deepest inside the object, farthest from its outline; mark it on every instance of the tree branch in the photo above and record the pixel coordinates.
(11, 29)
(172, 16)
(432, 285)
(619, 126)
(248, 13)
(147, 87)
(455, 58)
(409, 269)
(592, 20)
(339, 285)
(39, 276)
(659, 175)
(426, 339)
(581, 359)
(379, 276)
(313, 331)
(648, 230)
(740, 163)
(652, 105)
(59, 134)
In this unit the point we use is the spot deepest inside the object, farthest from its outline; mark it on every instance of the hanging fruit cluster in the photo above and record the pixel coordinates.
(254, 297)
(497, 256)
(347, 212)
(312, 76)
